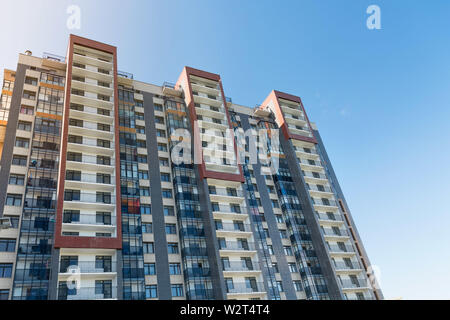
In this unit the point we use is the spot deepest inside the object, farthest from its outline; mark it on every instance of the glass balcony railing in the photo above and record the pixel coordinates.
(233, 245)
(233, 227)
(88, 266)
(87, 293)
(245, 287)
(241, 266)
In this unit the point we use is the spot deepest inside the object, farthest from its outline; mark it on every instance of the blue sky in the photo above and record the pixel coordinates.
(379, 97)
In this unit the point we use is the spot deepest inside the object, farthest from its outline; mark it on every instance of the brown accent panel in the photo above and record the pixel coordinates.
(184, 78)
(279, 115)
(7, 93)
(87, 242)
(51, 86)
(132, 130)
(50, 116)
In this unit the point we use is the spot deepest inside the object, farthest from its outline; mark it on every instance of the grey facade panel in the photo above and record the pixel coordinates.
(160, 241)
(311, 220)
(274, 233)
(10, 137)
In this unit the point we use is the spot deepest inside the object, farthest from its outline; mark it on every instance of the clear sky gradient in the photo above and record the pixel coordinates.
(379, 97)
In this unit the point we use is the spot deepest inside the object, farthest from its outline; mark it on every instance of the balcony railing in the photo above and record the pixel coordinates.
(90, 293)
(233, 245)
(329, 203)
(90, 178)
(234, 227)
(318, 176)
(224, 192)
(228, 209)
(88, 266)
(338, 232)
(91, 198)
(337, 248)
(169, 84)
(245, 287)
(323, 189)
(240, 266)
(54, 57)
(331, 217)
(89, 219)
(124, 74)
(355, 283)
(341, 265)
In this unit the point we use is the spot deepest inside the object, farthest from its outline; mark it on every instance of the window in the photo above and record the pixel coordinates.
(159, 120)
(279, 218)
(275, 267)
(140, 129)
(103, 143)
(146, 209)
(177, 290)
(143, 174)
(229, 284)
(283, 234)
(71, 195)
(4, 294)
(158, 107)
(151, 292)
(7, 245)
(280, 286)
(14, 200)
(141, 144)
(29, 95)
(103, 218)
(174, 268)
(70, 216)
(103, 127)
(164, 162)
(104, 287)
(298, 285)
(270, 248)
(171, 228)
(31, 81)
(149, 269)
(75, 139)
(103, 234)
(275, 204)
(27, 110)
(160, 133)
(17, 179)
(5, 270)
(172, 248)
(23, 125)
(144, 191)
(235, 208)
(149, 247)
(141, 158)
(169, 211)
(147, 227)
(293, 267)
(22, 143)
(167, 193)
(162, 147)
(287, 250)
(165, 177)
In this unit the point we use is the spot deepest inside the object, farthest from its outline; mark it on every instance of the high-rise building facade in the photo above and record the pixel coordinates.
(114, 188)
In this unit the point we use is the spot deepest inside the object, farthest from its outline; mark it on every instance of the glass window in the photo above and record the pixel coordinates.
(151, 292)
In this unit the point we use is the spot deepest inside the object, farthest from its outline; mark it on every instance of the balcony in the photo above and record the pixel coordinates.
(83, 59)
(337, 234)
(292, 110)
(245, 288)
(341, 250)
(88, 200)
(222, 195)
(233, 229)
(208, 111)
(168, 88)
(316, 177)
(89, 222)
(237, 267)
(90, 131)
(88, 293)
(227, 212)
(348, 284)
(237, 246)
(314, 165)
(90, 101)
(90, 146)
(320, 191)
(86, 73)
(205, 89)
(92, 87)
(333, 219)
(88, 267)
(349, 266)
(90, 181)
(91, 114)
(90, 163)
(325, 204)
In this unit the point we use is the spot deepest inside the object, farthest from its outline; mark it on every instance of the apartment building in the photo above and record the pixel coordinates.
(118, 189)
